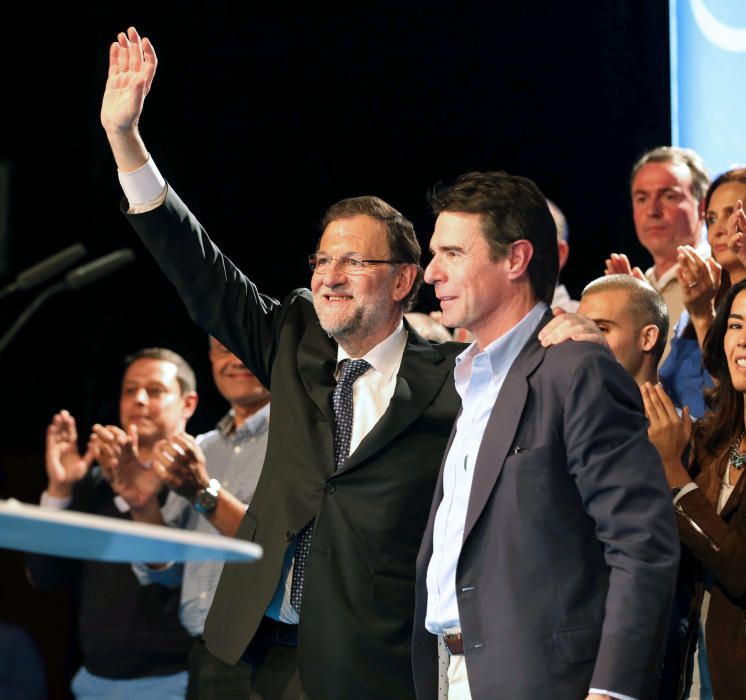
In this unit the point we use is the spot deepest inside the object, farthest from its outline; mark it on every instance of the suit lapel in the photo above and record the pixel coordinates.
(420, 377)
(502, 426)
(317, 360)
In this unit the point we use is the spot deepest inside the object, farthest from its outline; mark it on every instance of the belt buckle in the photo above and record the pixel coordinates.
(454, 643)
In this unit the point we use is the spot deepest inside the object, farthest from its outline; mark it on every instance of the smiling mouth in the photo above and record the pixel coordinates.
(741, 362)
(335, 298)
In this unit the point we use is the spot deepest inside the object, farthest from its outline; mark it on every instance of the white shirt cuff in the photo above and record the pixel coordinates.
(144, 188)
(685, 490)
(611, 695)
(53, 502)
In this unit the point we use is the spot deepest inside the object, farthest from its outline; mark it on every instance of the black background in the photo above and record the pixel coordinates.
(260, 117)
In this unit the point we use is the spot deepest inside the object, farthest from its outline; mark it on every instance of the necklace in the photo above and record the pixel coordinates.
(737, 459)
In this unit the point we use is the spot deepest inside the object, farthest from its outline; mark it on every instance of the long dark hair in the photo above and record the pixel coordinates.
(724, 422)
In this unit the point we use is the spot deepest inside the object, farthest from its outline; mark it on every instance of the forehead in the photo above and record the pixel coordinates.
(147, 370)
(727, 194)
(609, 304)
(355, 234)
(658, 176)
(458, 229)
(739, 304)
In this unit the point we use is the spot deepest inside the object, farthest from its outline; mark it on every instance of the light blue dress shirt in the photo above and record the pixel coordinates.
(479, 376)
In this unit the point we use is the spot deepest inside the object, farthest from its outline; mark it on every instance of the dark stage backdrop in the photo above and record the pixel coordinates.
(260, 117)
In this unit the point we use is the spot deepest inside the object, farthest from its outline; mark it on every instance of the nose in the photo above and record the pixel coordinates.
(334, 274)
(141, 396)
(717, 228)
(655, 207)
(433, 272)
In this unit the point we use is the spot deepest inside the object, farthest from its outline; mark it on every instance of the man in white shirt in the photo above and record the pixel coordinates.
(342, 499)
(549, 557)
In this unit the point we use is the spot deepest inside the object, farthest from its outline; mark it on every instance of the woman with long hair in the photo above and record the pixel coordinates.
(710, 504)
(704, 282)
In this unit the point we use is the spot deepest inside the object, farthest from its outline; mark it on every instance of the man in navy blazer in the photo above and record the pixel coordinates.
(550, 553)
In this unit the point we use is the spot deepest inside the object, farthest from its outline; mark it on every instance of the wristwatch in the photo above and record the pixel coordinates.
(207, 498)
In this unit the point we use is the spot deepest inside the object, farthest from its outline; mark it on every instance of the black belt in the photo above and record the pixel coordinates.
(271, 632)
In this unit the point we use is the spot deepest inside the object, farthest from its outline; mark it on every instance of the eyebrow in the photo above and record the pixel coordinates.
(447, 249)
(726, 210)
(131, 383)
(662, 190)
(738, 316)
(603, 320)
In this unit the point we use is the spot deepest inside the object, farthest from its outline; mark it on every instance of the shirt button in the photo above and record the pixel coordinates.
(237, 449)
(202, 595)
(328, 487)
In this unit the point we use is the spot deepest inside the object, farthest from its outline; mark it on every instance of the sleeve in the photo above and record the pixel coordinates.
(217, 295)
(175, 512)
(169, 575)
(49, 573)
(621, 482)
(719, 546)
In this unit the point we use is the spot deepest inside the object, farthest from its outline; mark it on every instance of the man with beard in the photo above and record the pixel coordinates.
(361, 411)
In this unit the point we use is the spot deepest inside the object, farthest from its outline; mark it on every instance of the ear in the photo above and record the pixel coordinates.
(649, 337)
(563, 249)
(518, 258)
(190, 404)
(405, 277)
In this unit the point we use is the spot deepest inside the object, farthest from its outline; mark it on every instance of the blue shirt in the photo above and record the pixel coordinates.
(235, 459)
(479, 376)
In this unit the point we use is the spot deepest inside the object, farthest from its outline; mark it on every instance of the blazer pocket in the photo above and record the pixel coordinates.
(522, 458)
(578, 644)
(393, 592)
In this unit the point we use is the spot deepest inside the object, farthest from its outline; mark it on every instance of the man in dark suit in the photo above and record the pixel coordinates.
(550, 553)
(357, 465)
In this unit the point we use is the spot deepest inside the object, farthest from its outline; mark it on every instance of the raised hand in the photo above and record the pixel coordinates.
(132, 64)
(699, 280)
(736, 228)
(669, 432)
(64, 463)
(619, 264)
(181, 464)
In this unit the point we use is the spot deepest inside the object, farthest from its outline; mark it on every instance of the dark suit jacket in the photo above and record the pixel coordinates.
(570, 549)
(355, 631)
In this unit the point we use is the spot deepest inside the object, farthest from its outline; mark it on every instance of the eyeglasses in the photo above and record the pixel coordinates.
(349, 265)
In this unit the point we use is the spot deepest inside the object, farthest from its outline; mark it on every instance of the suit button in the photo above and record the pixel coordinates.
(328, 487)
(290, 535)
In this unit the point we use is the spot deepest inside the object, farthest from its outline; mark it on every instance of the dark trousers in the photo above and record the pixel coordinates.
(267, 671)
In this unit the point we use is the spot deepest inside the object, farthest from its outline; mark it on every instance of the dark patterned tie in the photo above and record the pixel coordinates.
(342, 405)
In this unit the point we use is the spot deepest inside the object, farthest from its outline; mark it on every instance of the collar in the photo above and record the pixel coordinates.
(502, 352)
(385, 357)
(253, 425)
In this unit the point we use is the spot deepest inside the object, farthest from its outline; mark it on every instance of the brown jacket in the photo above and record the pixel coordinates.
(719, 543)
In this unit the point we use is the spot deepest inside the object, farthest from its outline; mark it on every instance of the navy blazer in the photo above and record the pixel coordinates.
(570, 549)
